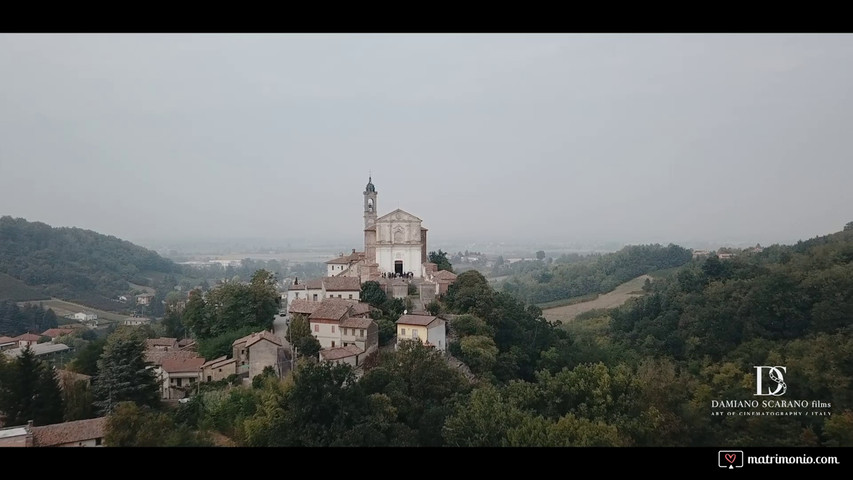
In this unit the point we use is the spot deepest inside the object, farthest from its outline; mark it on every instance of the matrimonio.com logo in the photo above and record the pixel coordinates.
(776, 387)
(730, 459)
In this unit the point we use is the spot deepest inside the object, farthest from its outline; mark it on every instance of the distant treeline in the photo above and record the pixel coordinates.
(574, 276)
(75, 264)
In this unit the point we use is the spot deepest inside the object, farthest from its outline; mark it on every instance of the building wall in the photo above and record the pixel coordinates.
(261, 355)
(437, 336)
(345, 294)
(386, 255)
(326, 333)
(220, 372)
(16, 441)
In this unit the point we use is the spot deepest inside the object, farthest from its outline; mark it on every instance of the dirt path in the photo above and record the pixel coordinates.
(613, 299)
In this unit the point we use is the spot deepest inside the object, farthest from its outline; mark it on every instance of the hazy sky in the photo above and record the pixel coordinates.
(628, 138)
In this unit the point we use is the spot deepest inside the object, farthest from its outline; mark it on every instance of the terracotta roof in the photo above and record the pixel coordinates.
(315, 284)
(356, 322)
(344, 259)
(338, 353)
(6, 340)
(360, 308)
(180, 365)
(338, 284)
(29, 337)
(444, 275)
(330, 311)
(157, 357)
(300, 305)
(69, 432)
(265, 335)
(296, 286)
(223, 359)
(55, 332)
(162, 342)
(256, 337)
(420, 320)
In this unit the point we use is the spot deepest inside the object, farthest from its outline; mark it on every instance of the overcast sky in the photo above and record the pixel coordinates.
(626, 138)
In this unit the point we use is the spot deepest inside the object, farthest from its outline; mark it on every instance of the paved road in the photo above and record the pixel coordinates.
(279, 326)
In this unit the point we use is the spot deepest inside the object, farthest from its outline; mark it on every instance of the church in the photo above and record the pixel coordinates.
(395, 245)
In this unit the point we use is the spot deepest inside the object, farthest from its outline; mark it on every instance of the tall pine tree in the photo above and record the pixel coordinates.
(123, 373)
(29, 391)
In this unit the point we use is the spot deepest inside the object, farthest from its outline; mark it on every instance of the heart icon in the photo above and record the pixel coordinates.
(731, 457)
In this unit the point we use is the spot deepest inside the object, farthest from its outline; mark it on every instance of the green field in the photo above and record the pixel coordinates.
(63, 308)
(621, 294)
(17, 291)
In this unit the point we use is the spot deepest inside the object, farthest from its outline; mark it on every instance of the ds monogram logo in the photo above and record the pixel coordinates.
(775, 374)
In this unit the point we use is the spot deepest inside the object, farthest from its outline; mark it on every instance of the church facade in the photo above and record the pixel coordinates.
(395, 245)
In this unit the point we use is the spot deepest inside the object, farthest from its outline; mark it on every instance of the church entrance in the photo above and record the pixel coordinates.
(398, 267)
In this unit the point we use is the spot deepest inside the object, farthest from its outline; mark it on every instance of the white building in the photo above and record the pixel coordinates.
(85, 316)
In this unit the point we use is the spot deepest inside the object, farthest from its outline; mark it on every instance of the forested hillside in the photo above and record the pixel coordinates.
(74, 264)
(577, 276)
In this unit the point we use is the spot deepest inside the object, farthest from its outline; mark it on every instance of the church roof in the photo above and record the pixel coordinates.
(394, 216)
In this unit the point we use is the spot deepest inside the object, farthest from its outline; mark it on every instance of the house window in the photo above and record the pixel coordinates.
(340, 296)
(220, 370)
(208, 377)
(414, 333)
(402, 331)
(344, 331)
(192, 380)
(350, 296)
(361, 332)
(97, 442)
(297, 294)
(333, 329)
(333, 344)
(315, 297)
(316, 327)
(179, 381)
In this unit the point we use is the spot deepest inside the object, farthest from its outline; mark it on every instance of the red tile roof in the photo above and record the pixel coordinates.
(256, 337)
(420, 320)
(69, 432)
(265, 335)
(182, 365)
(221, 360)
(330, 311)
(6, 339)
(161, 342)
(315, 284)
(157, 357)
(55, 332)
(357, 322)
(300, 305)
(297, 286)
(339, 284)
(444, 275)
(28, 337)
(338, 353)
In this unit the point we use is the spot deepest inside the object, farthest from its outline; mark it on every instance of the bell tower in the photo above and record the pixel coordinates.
(369, 203)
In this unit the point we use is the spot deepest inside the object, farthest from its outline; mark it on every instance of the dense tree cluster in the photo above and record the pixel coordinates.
(232, 306)
(29, 390)
(15, 320)
(575, 276)
(75, 264)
